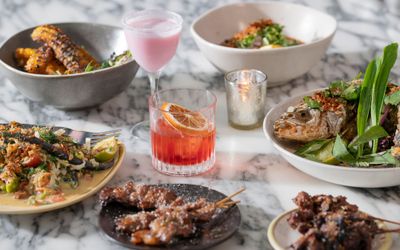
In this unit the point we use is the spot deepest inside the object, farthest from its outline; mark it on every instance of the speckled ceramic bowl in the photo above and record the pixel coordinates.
(74, 91)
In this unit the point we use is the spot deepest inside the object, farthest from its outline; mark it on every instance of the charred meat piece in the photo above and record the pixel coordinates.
(140, 196)
(135, 222)
(166, 216)
(73, 57)
(328, 222)
(166, 223)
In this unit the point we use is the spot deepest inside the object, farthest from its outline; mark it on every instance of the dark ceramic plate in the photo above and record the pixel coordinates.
(214, 232)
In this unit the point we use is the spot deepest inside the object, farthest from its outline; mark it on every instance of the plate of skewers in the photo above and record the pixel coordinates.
(347, 133)
(329, 222)
(167, 216)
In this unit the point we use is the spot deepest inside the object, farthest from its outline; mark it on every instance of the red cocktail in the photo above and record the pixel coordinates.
(183, 131)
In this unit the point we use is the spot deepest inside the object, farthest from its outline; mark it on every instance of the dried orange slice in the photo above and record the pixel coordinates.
(184, 119)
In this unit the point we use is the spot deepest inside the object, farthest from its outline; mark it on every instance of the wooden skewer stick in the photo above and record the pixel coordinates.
(231, 203)
(384, 231)
(229, 197)
(228, 204)
(385, 220)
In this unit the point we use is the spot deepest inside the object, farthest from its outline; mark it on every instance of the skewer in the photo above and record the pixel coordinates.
(228, 204)
(384, 231)
(385, 220)
(219, 203)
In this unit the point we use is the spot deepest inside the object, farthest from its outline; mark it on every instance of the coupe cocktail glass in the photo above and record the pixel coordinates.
(152, 36)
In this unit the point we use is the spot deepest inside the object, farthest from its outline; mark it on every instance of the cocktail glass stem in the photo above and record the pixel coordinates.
(154, 78)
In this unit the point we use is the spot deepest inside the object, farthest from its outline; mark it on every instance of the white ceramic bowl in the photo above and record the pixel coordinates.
(347, 176)
(316, 29)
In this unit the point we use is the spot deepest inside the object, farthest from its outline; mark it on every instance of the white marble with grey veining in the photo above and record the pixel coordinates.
(243, 158)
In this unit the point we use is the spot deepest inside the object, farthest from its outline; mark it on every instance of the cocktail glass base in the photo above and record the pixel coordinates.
(183, 170)
(141, 130)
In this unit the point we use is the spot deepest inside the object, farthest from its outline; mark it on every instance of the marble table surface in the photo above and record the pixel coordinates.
(243, 158)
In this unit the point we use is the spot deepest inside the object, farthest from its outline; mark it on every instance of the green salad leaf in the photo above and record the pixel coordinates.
(393, 99)
(381, 158)
(384, 65)
(340, 151)
(371, 133)
(312, 147)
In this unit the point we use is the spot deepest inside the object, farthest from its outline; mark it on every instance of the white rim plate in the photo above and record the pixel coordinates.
(280, 235)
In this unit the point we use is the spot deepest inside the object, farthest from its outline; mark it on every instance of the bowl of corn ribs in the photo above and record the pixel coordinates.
(68, 65)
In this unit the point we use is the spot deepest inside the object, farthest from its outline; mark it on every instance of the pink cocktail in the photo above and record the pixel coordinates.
(152, 36)
(155, 43)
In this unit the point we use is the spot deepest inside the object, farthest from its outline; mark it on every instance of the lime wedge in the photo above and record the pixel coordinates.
(105, 150)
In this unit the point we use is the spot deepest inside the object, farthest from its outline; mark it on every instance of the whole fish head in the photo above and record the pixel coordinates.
(301, 123)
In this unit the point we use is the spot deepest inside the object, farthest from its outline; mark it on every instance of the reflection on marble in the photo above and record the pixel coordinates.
(243, 158)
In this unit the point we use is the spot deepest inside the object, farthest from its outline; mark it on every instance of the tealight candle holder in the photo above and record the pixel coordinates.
(246, 92)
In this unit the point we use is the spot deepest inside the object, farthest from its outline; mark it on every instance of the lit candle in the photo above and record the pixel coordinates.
(245, 95)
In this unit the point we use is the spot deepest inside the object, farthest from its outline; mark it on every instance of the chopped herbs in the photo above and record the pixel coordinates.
(48, 136)
(263, 33)
(311, 102)
(114, 60)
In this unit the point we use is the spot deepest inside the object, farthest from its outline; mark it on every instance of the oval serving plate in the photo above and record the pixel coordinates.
(281, 235)
(219, 230)
(86, 188)
(347, 176)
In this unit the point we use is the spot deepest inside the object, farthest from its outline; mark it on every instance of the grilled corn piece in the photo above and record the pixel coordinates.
(22, 55)
(42, 61)
(73, 57)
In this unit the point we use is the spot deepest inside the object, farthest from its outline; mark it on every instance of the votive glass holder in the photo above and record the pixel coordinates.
(246, 92)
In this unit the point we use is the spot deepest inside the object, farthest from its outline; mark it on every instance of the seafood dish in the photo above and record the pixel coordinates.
(261, 34)
(158, 215)
(37, 163)
(328, 222)
(59, 55)
(351, 123)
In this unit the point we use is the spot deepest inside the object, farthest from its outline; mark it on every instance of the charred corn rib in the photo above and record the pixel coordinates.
(55, 67)
(73, 57)
(40, 61)
(22, 55)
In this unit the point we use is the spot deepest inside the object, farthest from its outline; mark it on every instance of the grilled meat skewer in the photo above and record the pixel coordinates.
(141, 196)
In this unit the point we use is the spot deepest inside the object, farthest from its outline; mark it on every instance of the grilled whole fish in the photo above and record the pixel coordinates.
(304, 124)
(73, 57)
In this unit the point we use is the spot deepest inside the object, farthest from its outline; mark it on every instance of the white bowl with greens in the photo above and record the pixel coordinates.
(348, 133)
(314, 28)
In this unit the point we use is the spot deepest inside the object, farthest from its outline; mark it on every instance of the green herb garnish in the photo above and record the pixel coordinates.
(89, 67)
(311, 103)
(48, 136)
